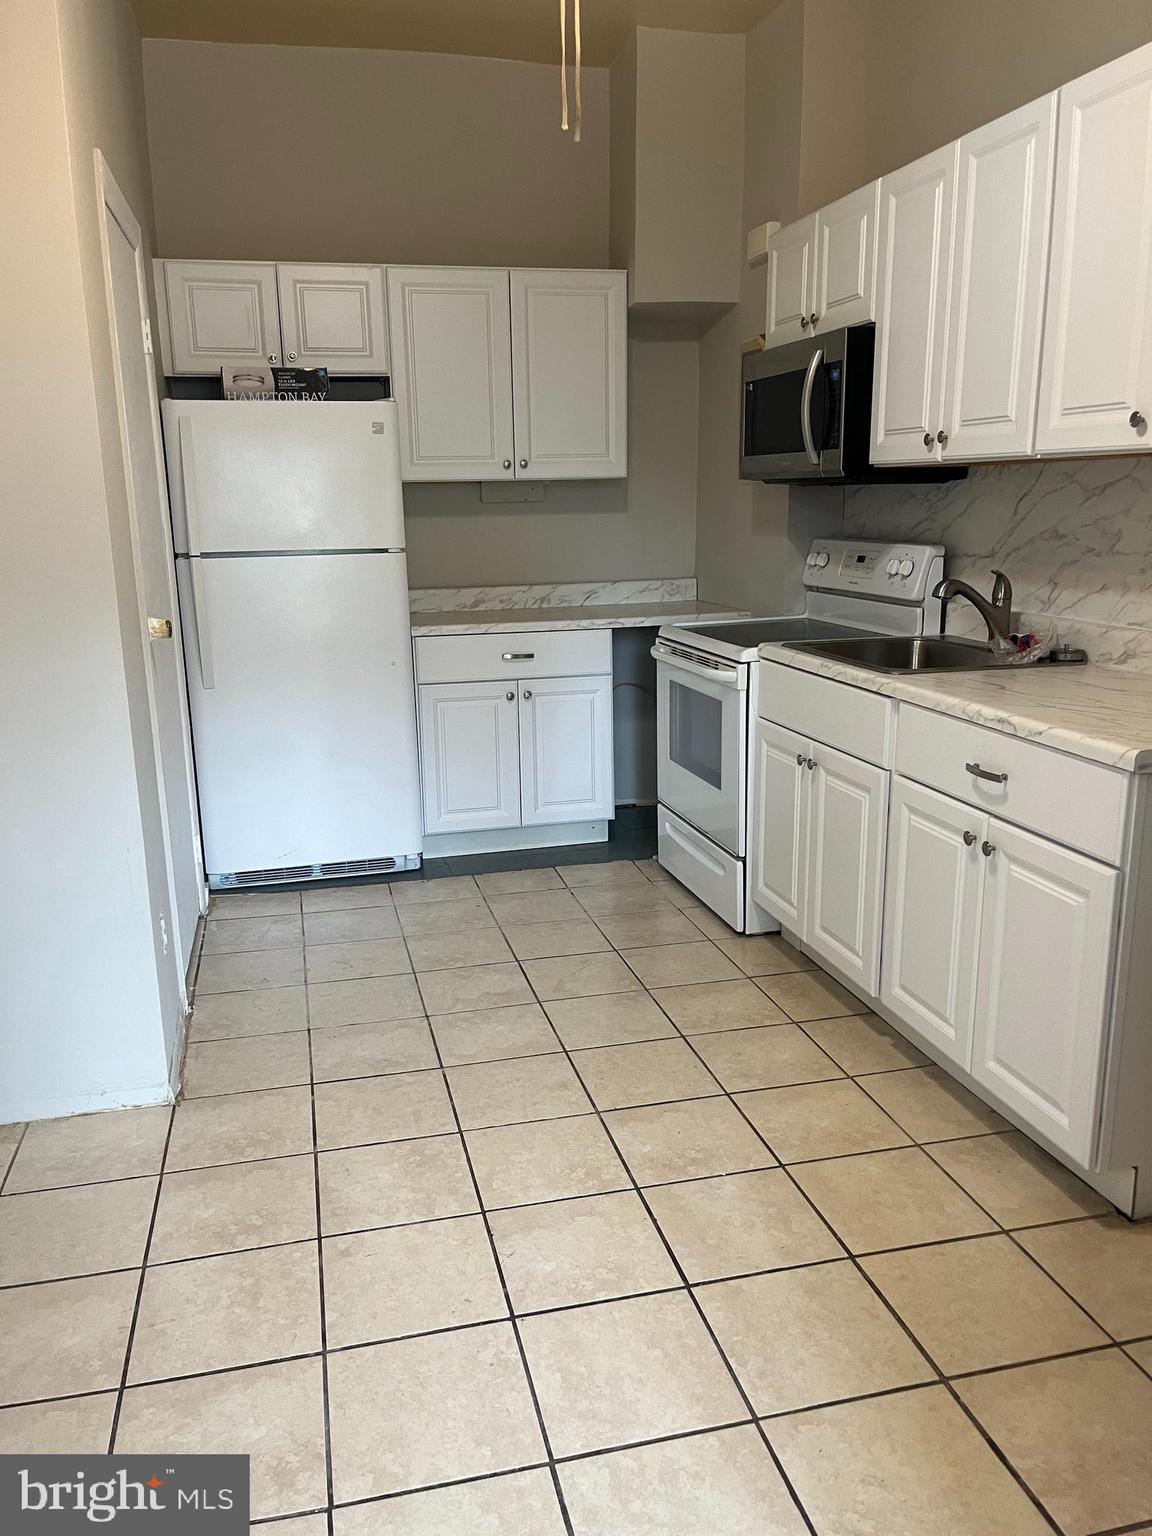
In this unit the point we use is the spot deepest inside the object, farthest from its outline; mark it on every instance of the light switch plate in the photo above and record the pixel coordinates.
(511, 490)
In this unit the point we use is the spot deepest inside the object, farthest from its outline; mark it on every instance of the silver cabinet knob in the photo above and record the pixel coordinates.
(928, 439)
(942, 437)
(273, 357)
(969, 839)
(812, 319)
(799, 759)
(527, 693)
(507, 463)
(987, 849)
(1136, 421)
(160, 629)
(523, 463)
(810, 764)
(803, 322)
(291, 356)
(511, 695)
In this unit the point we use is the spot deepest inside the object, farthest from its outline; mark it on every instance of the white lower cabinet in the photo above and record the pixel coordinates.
(997, 952)
(820, 818)
(1042, 993)
(469, 756)
(932, 915)
(566, 750)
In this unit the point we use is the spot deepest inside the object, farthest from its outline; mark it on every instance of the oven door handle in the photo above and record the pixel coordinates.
(814, 363)
(728, 677)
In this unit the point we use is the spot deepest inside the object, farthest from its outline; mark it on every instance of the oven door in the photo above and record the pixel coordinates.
(702, 744)
(791, 414)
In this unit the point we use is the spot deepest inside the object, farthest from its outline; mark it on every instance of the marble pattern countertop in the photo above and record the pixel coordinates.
(628, 615)
(1100, 713)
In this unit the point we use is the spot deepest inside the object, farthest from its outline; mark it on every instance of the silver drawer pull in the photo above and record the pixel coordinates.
(983, 773)
(518, 656)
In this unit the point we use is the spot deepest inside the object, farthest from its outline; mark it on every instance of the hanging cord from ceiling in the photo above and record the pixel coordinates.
(578, 115)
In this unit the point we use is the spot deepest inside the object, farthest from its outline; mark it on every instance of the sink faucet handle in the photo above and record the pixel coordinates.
(1001, 591)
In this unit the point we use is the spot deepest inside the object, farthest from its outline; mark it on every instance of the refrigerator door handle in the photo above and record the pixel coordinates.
(195, 567)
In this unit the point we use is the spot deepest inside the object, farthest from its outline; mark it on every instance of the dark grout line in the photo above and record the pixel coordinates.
(320, 1279)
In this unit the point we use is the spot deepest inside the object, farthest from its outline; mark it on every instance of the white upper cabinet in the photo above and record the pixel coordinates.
(1042, 1001)
(333, 317)
(845, 254)
(452, 369)
(791, 282)
(219, 313)
(1003, 203)
(1096, 376)
(569, 374)
(914, 261)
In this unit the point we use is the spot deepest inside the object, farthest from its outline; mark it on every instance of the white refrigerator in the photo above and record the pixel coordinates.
(289, 532)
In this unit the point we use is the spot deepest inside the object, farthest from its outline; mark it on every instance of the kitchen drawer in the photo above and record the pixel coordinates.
(708, 870)
(852, 719)
(1074, 802)
(514, 655)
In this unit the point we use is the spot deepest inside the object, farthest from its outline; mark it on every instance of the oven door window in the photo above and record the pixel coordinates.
(696, 732)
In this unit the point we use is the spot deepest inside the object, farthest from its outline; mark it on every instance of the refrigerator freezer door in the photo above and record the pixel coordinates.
(305, 736)
(264, 476)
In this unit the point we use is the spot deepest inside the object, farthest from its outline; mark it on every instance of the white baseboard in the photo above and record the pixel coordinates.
(513, 839)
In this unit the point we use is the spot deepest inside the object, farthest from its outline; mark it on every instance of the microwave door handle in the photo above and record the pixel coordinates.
(814, 363)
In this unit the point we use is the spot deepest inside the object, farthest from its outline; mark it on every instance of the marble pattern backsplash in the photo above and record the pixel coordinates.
(1073, 535)
(561, 594)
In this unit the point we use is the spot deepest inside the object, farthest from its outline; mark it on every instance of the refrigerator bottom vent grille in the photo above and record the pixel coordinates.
(343, 869)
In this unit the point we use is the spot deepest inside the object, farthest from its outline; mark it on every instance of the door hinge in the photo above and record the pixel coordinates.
(147, 336)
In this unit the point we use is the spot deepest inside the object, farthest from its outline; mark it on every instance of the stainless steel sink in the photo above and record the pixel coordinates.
(907, 653)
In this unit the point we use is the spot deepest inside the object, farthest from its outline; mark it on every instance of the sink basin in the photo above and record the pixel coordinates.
(907, 653)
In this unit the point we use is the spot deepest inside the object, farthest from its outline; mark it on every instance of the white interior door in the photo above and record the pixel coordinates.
(221, 313)
(932, 916)
(847, 831)
(566, 750)
(333, 317)
(846, 259)
(264, 475)
(300, 677)
(780, 823)
(469, 756)
(452, 366)
(1047, 934)
(913, 264)
(570, 374)
(791, 282)
(1097, 367)
(156, 587)
(999, 267)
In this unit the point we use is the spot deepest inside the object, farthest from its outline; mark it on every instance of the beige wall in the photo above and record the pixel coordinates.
(80, 1023)
(406, 157)
(347, 154)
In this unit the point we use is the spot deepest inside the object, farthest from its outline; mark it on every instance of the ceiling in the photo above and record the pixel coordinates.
(507, 29)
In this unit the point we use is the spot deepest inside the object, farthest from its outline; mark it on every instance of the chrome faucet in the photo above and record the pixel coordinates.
(995, 611)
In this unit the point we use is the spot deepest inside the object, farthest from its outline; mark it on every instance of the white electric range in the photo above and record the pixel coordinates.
(708, 679)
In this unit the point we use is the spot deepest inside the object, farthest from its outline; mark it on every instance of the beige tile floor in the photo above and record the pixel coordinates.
(538, 1202)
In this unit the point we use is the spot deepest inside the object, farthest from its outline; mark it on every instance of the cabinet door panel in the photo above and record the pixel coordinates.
(846, 259)
(1003, 200)
(913, 263)
(1042, 1001)
(780, 821)
(932, 915)
(566, 750)
(333, 317)
(451, 339)
(469, 756)
(1097, 366)
(791, 282)
(221, 313)
(848, 822)
(570, 374)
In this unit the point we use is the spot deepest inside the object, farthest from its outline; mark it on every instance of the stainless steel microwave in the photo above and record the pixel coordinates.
(807, 413)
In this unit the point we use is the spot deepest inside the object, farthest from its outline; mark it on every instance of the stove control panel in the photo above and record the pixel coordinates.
(903, 573)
